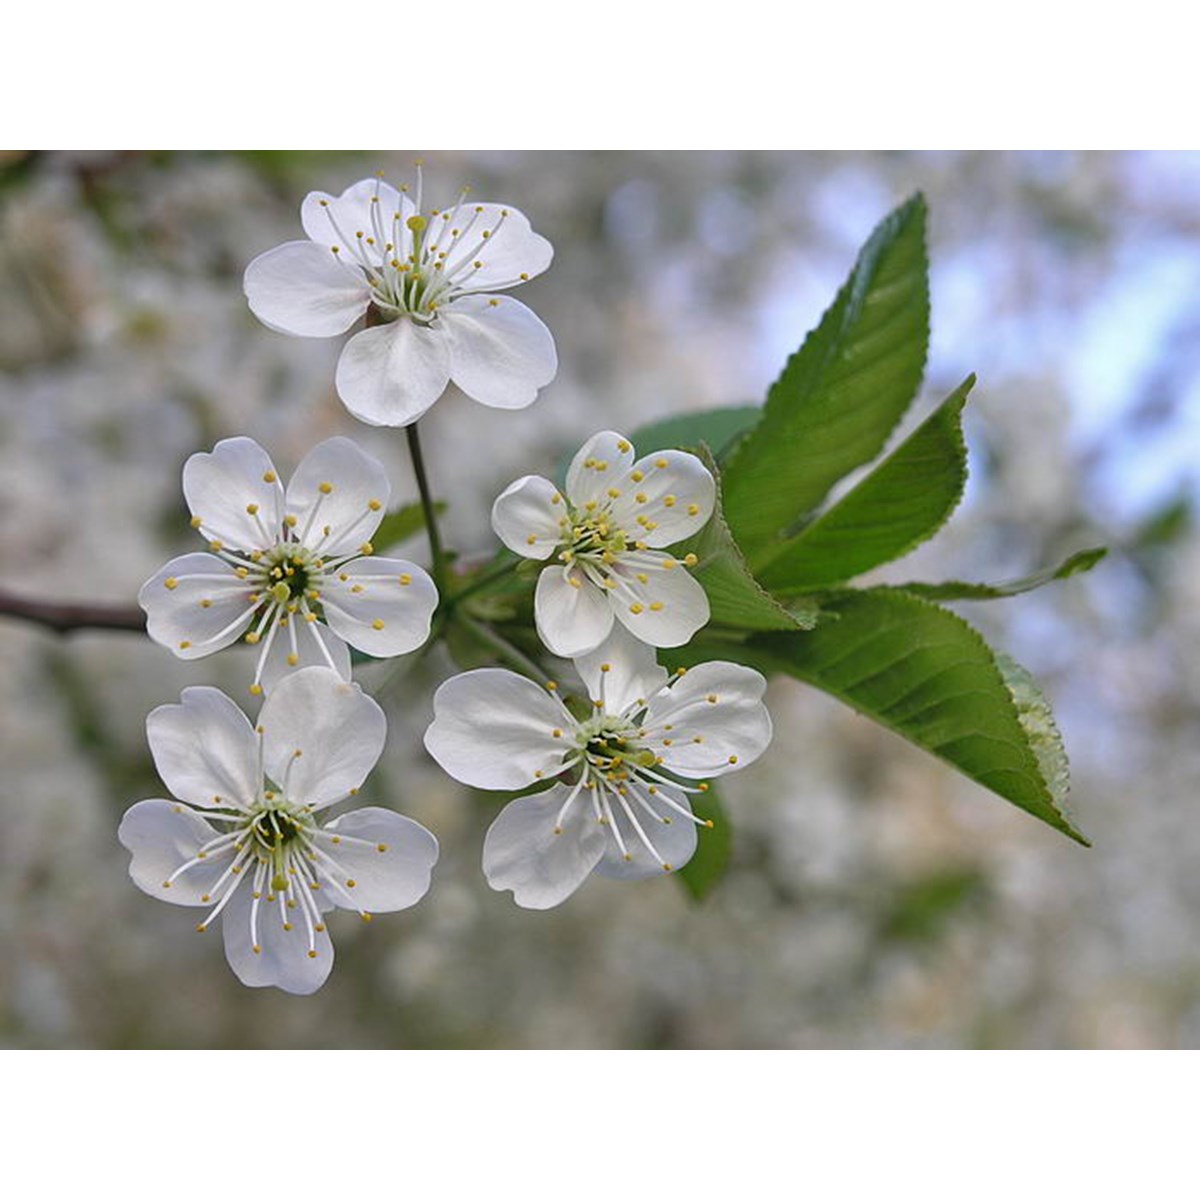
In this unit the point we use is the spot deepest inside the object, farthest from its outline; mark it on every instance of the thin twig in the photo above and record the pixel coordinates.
(63, 618)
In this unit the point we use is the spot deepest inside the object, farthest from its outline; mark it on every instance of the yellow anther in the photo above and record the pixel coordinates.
(614, 492)
(668, 502)
(366, 548)
(374, 505)
(711, 697)
(312, 954)
(241, 572)
(556, 733)
(641, 498)
(668, 741)
(253, 636)
(601, 464)
(352, 883)
(201, 928)
(667, 867)
(556, 499)
(681, 670)
(656, 606)
(185, 645)
(324, 488)
(523, 276)
(651, 525)
(636, 609)
(366, 917)
(287, 925)
(335, 249)
(377, 624)
(642, 577)
(206, 604)
(197, 522)
(293, 659)
(166, 883)
(343, 576)
(531, 540)
(405, 579)
(216, 546)
(698, 739)
(291, 520)
(493, 302)
(310, 617)
(733, 759)
(551, 686)
(690, 560)
(171, 584)
(660, 463)
(358, 587)
(693, 510)
(610, 582)
(252, 509)
(382, 847)
(624, 446)
(576, 584)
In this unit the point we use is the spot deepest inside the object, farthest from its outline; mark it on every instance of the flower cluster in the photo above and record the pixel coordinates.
(292, 571)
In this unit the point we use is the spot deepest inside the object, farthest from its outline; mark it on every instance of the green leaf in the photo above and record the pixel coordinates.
(718, 428)
(841, 394)
(402, 523)
(924, 673)
(904, 501)
(1037, 720)
(734, 595)
(1082, 560)
(706, 868)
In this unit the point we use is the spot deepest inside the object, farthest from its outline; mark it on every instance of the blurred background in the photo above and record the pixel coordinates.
(876, 898)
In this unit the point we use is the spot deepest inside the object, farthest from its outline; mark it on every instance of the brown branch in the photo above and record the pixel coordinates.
(63, 618)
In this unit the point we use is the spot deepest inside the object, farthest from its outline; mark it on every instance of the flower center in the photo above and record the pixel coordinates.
(591, 535)
(416, 264)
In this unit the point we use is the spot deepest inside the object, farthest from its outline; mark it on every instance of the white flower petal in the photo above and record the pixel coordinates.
(495, 729)
(308, 653)
(381, 606)
(510, 251)
(601, 460)
(390, 865)
(633, 672)
(665, 497)
(205, 749)
(177, 615)
(572, 620)
(391, 374)
(674, 843)
(338, 730)
(283, 958)
(236, 494)
(661, 607)
(338, 487)
(368, 207)
(500, 352)
(523, 854)
(162, 836)
(720, 703)
(304, 290)
(526, 517)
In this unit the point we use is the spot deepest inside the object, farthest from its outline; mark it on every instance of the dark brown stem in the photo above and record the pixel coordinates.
(63, 618)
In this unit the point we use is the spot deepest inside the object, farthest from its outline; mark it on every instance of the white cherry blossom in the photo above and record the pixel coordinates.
(426, 281)
(607, 530)
(242, 838)
(290, 570)
(620, 804)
